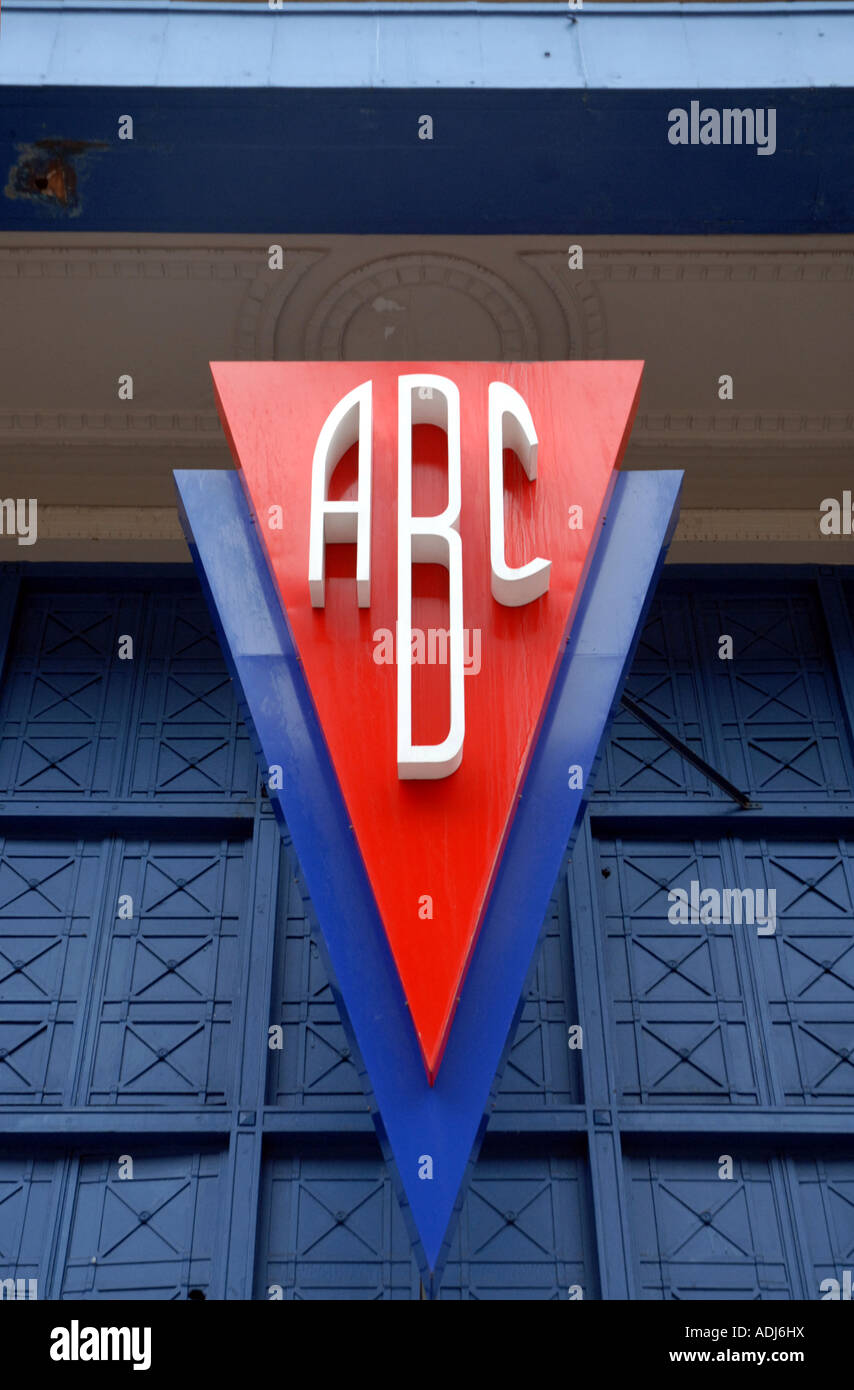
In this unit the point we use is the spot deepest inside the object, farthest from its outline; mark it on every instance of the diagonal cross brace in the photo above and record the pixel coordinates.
(689, 755)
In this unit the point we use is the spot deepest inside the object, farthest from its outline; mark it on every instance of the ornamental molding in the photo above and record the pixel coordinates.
(246, 261)
(753, 525)
(133, 262)
(378, 280)
(200, 430)
(705, 265)
(67, 429)
(696, 525)
(59, 523)
(506, 297)
(578, 300)
(265, 302)
(742, 429)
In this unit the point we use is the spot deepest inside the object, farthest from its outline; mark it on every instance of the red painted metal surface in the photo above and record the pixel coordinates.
(438, 840)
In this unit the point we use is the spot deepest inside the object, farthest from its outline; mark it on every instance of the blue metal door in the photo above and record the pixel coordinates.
(179, 1112)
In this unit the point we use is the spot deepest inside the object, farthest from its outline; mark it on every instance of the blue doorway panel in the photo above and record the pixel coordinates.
(698, 1237)
(255, 1166)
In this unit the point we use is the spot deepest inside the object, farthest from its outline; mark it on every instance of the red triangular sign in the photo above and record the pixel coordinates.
(430, 847)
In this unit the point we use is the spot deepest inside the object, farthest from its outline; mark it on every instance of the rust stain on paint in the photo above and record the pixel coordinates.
(48, 172)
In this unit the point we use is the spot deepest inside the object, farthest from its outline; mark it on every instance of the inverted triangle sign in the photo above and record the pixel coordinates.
(430, 847)
(430, 1133)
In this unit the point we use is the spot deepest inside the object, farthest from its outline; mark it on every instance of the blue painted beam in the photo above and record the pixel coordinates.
(681, 815)
(92, 1123)
(243, 1172)
(649, 1120)
(307, 120)
(570, 1119)
(759, 1121)
(608, 1190)
(189, 814)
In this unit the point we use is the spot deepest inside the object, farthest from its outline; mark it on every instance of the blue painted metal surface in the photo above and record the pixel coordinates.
(442, 1121)
(167, 44)
(67, 699)
(250, 105)
(599, 1167)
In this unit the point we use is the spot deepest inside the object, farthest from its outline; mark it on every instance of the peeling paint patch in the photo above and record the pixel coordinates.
(381, 305)
(48, 173)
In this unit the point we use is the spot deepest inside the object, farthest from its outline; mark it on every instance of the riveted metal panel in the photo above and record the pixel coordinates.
(152, 1236)
(697, 1236)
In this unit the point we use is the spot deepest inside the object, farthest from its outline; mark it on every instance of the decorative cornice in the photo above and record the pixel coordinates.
(513, 321)
(324, 318)
(265, 302)
(58, 523)
(177, 428)
(579, 302)
(200, 429)
(742, 429)
(707, 266)
(696, 525)
(704, 524)
(701, 263)
(130, 262)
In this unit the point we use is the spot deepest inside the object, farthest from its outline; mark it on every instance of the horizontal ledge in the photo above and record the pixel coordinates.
(765, 1123)
(563, 1120)
(56, 1123)
(103, 524)
(733, 524)
(605, 814)
(547, 8)
(117, 814)
(200, 430)
(491, 47)
(147, 524)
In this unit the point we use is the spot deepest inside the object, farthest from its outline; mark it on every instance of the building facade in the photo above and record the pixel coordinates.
(153, 925)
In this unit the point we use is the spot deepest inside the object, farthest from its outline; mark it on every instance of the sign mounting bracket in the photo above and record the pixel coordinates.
(690, 756)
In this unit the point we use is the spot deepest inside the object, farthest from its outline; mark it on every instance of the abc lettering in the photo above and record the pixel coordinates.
(423, 398)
